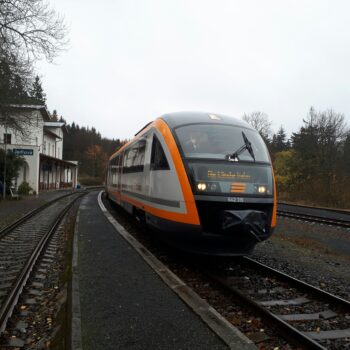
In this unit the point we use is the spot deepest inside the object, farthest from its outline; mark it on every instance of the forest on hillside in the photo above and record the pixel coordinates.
(91, 150)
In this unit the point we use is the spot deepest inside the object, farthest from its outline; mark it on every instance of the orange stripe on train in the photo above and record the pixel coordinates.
(191, 217)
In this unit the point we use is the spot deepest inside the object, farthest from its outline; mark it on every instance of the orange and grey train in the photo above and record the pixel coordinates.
(204, 181)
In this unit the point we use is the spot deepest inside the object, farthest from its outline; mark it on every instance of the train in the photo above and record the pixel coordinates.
(202, 181)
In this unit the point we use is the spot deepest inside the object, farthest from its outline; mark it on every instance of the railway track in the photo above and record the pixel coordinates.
(305, 315)
(333, 217)
(21, 243)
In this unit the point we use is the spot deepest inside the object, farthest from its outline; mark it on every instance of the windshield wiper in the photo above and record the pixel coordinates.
(247, 146)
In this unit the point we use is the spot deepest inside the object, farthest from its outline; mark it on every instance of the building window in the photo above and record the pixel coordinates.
(7, 139)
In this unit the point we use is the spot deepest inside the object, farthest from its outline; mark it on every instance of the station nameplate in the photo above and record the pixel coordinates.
(23, 151)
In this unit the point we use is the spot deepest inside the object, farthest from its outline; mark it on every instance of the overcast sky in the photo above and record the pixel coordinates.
(131, 61)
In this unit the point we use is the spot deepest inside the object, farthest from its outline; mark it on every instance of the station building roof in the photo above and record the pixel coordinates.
(49, 159)
(42, 108)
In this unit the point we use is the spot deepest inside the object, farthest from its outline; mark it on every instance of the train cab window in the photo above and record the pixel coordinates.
(158, 158)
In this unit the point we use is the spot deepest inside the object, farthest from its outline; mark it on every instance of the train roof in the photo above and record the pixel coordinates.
(176, 119)
(181, 118)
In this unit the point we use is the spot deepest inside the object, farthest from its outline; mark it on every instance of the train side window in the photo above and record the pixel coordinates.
(120, 164)
(158, 158)
(134, 157)
(131, 156)
(140, 158)
(114, 171)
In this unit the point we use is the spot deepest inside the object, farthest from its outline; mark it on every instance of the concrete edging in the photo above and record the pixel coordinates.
(229, 334)
(76, 339)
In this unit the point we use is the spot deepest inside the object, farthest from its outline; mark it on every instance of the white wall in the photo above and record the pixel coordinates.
(49, 146)
(34, 125)
(33, 165)
(59, 143)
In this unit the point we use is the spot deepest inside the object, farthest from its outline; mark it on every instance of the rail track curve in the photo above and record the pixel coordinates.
(21, 243)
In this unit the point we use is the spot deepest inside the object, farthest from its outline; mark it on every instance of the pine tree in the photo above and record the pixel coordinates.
(54, 116)
(13, 86)
(318, 155)
(37, 92)
(280, 141)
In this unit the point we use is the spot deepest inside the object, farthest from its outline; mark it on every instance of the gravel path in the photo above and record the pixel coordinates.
(315, 253)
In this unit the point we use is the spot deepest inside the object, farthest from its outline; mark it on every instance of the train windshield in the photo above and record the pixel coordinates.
(213, 141)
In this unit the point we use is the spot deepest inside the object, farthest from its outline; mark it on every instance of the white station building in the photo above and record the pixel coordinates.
(42, 149)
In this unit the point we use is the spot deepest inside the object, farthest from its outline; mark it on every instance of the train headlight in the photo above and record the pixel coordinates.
(201, 186)
(262, 189)
(208, 187)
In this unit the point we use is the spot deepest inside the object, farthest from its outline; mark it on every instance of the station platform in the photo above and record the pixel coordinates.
(123, 303)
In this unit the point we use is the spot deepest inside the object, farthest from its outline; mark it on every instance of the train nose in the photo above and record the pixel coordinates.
(250, 222)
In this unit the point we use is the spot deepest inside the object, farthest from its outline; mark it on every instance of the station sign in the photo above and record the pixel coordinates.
(23, 151)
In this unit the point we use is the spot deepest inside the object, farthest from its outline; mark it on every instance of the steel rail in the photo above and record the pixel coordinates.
(333, 210)
(12, 299)
(314, 218)
(30, 214)
(306, 287)
(288, 331)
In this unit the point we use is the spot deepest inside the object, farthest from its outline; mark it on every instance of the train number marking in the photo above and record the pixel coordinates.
(235, 199)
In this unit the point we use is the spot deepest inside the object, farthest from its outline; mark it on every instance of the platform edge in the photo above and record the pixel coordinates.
(76, 338)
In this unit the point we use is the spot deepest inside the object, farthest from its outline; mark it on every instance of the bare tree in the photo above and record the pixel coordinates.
(17, 121)
(15, 78)
(260, 122)
(30, 29)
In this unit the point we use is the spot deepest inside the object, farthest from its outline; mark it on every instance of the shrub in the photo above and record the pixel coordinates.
(24, 188)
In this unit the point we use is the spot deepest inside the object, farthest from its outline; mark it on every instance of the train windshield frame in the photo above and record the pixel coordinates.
(218, 141)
